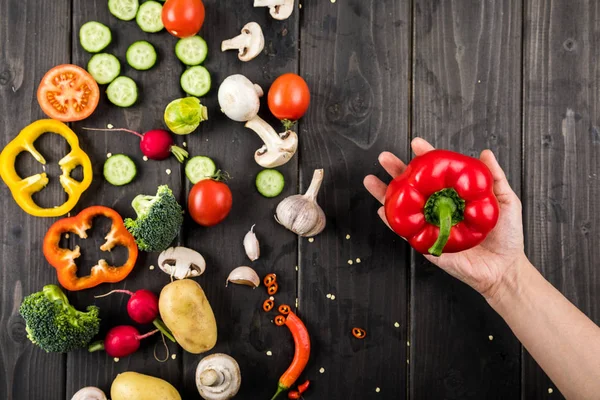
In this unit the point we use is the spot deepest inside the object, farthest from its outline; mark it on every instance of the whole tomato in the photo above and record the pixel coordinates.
(289, 97)
(209, 202)
(183, 18)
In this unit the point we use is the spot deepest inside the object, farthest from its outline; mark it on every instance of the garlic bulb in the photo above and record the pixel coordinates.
(251, 245)
(89, 393)
(300, 213)
(243, 276)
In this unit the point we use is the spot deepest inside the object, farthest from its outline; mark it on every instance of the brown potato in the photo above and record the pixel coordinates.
(186, 312)
(134, 386)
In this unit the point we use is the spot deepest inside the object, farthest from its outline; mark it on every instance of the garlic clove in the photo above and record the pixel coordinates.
(300, 213)
(89, 393)
(251, 245)
(243, 276)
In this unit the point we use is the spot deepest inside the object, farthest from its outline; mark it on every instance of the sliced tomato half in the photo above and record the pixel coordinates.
(68, 93)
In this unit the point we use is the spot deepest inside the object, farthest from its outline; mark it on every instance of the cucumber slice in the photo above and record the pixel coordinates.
(104, 68)
(196, 81)
(123, 9)
(94, 36)
(122, 92)
(141, 55)
(199, 168)
(270, 182)
(191, 50)
(119, 170)
(149, 17)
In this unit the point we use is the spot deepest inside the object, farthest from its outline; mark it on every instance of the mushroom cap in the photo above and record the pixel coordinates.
(256, 41)
(218, 377)
(239, 98)
(89, 393)
(181, 262)
(271, 158)
(283, 11)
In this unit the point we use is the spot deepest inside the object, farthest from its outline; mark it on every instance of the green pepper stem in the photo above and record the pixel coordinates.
(444, 212)
(163, 328)
(280, 389)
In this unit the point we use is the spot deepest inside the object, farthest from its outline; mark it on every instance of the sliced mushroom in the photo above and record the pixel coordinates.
(278, 148)
(89, 393)
(279, 9)
(181, 262)
(218, 377)
(249, 43)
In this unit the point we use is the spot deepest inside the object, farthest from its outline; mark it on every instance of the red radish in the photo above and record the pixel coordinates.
(142, 307)
(156, 144)
(121, 341)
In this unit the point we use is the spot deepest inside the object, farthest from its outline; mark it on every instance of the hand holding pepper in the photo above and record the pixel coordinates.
(482, 266)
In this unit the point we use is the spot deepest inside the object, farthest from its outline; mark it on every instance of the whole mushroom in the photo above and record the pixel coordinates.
(89, 393)
(239, 99)
(181, 262)
(279, 9)
(249, 43)
(218, 377)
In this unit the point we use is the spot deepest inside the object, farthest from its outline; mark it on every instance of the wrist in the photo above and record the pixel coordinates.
(510, 284)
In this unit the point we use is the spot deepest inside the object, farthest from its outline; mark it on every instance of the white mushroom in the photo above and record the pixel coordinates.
(181, 262)
(239, 98)
(218, 377)
(278, 148)
(89, 393)
(279, 9)
(249, 43)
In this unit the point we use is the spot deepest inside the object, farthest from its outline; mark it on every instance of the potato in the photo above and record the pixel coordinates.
(186, 312)
(134, 386)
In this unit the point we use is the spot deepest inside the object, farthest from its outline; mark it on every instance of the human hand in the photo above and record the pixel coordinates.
(482, 267)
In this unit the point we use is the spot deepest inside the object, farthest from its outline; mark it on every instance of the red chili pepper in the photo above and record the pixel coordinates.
(359, 333)
(292, 394)
(268, 305)
(273, 288)
(301, 353)
(284, 309)
(303, 387)
(443, 202)
(270, 279)
(279, 320)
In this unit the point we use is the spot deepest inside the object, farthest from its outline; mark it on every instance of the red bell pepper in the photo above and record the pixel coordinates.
(443, 202)
(64, 259)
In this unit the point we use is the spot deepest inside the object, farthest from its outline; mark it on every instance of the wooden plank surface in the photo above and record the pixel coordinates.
(354, 58)
(467, 97)
(22, 66)
(561, 134)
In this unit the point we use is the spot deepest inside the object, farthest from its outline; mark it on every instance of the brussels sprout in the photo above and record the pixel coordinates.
(183, 116)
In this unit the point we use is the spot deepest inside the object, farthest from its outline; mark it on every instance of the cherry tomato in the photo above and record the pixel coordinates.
(183, 18)
(289, 97)
(68, 93)
(209, 202)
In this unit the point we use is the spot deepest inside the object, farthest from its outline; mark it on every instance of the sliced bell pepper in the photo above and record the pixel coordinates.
(443, 202)
(23, 189)
(64, 259)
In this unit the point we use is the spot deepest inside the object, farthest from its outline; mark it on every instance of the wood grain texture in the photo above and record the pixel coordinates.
(467, 97)
(354, 58)
(157, 87)
(561, 133)
(23, 269)
(245, 331)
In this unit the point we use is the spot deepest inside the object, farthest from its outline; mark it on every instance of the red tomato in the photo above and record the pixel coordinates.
(209, 202)
(183, 18)
(68, 93)
(289, 97)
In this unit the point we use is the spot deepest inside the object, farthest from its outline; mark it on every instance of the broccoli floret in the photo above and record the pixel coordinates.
(159, 219)
(55, 325)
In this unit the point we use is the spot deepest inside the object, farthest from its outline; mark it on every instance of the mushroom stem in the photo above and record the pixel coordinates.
(239, 42)
(265, 131)
(278, 148)
(210, 377)
(268, 3)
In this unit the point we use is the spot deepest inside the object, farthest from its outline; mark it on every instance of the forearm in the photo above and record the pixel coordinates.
(563, 341)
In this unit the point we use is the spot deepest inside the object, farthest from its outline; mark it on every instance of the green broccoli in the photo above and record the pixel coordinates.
(159, 219)
(55, 325)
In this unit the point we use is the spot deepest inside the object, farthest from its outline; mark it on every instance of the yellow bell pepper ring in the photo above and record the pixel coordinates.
(22, 189)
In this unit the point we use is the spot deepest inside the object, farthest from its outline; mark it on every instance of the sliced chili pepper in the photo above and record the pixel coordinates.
(292, 394)
(268, 305)
(303, 387)
(301, 353)
(273, 288)
(270, 279)
(279, 320)
(284, 309)
(359, 333)
(64, 259)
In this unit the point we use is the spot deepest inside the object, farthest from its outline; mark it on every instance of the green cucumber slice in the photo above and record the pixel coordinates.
(191, 50)
(125, 10)
(149, 17)
(122, 92)
(196, 81)
(104, 68)
(119, 170)
(141, 55)
(199, 168)
(270, 182)
(94, 36)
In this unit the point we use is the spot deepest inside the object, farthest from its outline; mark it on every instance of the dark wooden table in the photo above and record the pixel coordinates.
(519, 77)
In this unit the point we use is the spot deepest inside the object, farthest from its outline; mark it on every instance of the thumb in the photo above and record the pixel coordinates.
(501, 186)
